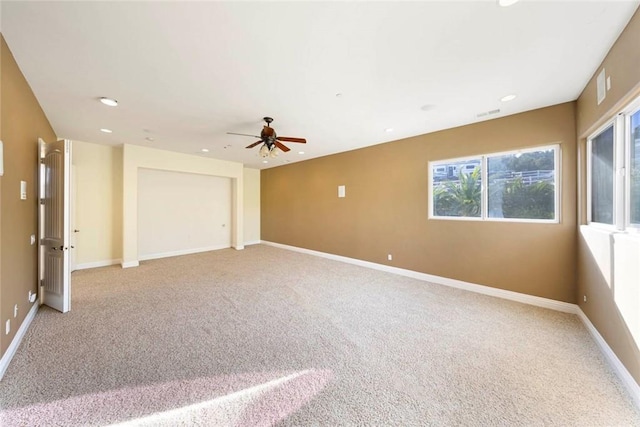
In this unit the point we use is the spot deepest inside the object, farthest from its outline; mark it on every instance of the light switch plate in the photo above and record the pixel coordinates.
(23, 190)
(341, 191)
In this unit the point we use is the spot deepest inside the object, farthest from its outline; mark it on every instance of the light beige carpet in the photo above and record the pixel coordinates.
(266, 337)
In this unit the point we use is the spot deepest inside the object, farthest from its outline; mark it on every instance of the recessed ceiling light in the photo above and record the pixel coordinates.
(205, 150)
(106, 130)
(388, 130)
(300, 152)
(150, 139)
(338, 95)
(265, 161)
(428, 107)
(109, 101)
(507, 3)
(508, 98)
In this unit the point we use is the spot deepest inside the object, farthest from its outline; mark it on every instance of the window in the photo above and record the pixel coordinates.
(521, 186)
(457, 188)
(634, 169)
(613, 173)
(602, 174)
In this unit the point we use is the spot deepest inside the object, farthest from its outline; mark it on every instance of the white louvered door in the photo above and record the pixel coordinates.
(54, 224)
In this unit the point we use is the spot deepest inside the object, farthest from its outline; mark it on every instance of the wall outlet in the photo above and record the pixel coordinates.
(390, 257)
(7, 327)
(15, 310)
(584, 298)
(32, 296)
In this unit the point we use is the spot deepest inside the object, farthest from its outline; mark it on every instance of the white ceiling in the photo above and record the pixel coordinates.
(185, 73)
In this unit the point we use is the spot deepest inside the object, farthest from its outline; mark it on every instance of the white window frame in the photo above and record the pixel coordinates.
(622, 140)
(633, 108)
(484, 173)
(615, 123)
(436, 163)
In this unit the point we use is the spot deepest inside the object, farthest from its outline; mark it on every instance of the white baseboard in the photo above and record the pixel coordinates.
(17, 339)
(459, 284)
(182, 252)
(96, 264)
(621, 371)
(253, 242)
(130, 264)
(565, 307)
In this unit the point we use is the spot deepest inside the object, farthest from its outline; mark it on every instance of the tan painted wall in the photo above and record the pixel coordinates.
(622, 64)
(98, 206)
(23, 121)
(385, 209)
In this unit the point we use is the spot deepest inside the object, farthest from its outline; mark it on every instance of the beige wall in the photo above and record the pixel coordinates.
(251, 206)
(622, 65)
(182, 213)
(98, 204)
(385, 209)
(23, 121)
(135, 157)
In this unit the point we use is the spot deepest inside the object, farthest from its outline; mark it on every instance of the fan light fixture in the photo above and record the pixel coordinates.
(269, 141)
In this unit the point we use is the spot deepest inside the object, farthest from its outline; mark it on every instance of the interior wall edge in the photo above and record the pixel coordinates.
(631, 385)
(621, 66)
(97, 264)
(17, 339)
(548, 303)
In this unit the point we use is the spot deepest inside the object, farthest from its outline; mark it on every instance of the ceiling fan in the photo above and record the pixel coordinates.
(270, 141)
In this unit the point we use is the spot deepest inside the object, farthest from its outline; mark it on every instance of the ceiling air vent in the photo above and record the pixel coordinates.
(488, 113)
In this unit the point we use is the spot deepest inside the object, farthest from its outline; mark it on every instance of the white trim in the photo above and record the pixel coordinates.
(17, 339)
(130, 264)
(95, 264)
(182, 252)
(618, 367)
(459, 284)
(253, 242)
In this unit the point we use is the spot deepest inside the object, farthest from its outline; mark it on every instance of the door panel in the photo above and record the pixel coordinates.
(54, 232)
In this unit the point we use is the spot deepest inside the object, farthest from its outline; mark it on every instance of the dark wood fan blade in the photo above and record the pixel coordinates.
(282, 146)
(290, 139)
(242, 134)
(254, 144)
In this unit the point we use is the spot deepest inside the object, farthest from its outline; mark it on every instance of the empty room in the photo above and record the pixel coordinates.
(333, 213)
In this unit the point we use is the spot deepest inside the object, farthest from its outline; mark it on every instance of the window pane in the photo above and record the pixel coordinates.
(634, 199)
(602, 177)
(522, 185)
(457, 188)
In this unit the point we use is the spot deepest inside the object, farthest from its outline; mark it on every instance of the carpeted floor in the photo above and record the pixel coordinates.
(267, 337)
